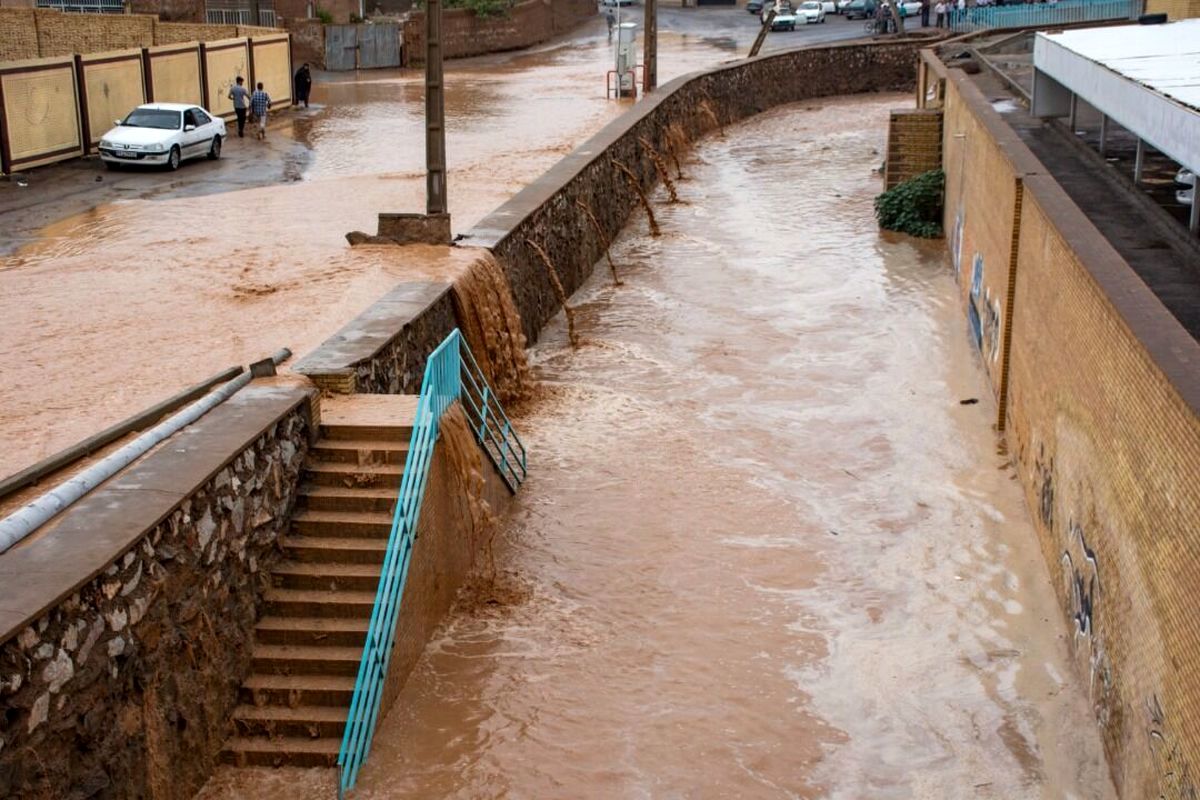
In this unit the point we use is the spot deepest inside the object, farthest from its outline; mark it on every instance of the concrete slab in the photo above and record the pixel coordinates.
(369, 410)
(46, 568)
(371, 331)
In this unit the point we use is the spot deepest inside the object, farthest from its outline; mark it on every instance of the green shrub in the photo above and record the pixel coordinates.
(324, 15)
(913, 207)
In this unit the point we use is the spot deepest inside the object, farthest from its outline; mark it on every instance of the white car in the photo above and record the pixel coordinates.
(811, 11)
(785, 16)
(841, 5)
(1185, 187)
(163, 133)
(829, 6)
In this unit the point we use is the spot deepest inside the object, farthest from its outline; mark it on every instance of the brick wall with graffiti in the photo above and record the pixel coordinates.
(1098, 396)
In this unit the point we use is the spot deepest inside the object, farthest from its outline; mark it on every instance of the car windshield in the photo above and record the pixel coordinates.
(811, 6)
(153, 118)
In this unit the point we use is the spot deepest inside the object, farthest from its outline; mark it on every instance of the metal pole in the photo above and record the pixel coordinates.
(650, 46)
(762, 33)
(435, 112)
(1139, 159)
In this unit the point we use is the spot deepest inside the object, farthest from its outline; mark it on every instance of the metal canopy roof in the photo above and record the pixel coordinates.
(1146, 78)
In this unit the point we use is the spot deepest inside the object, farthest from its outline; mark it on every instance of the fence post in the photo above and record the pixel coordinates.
(204, 77)
(250, 62)
(148, 76)
(85, 125)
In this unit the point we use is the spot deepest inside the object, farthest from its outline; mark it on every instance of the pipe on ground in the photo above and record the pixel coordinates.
(28, 519)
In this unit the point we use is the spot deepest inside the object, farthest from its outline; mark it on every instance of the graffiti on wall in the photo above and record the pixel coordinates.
(1081, 577)
(1176, 781)
(1043, 479)
(983, 314)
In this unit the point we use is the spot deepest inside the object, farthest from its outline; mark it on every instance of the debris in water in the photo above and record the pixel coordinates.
(970, 401)
(603, 239)
(637, 187)
(558, 288)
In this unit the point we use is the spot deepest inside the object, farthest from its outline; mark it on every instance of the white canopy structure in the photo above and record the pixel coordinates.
(1146, 78)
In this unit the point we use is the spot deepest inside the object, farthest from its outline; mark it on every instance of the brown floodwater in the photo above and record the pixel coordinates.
(109, 311)
(764, 551)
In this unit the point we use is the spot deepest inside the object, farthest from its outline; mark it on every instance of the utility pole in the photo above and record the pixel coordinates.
(650, 46)
(435, 112)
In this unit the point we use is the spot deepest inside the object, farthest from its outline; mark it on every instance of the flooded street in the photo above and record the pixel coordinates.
(764, 551)
(176, 276)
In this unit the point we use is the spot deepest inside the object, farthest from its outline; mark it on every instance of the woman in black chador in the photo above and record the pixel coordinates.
(303, 85)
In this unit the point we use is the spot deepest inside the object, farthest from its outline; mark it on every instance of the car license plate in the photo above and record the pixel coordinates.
(124, 154)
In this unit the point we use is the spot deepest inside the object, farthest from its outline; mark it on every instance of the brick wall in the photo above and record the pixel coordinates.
(465, 34)
(18, 34)
(1102, 398)
(914, 145)
(308, 42)
(41, 33)
(1174, 9)
(65, 34)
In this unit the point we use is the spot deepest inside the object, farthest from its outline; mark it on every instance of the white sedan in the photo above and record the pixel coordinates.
(163, 133)
(811, 11)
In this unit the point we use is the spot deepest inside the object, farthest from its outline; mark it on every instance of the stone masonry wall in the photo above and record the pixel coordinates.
(399, 367)
(125, 688)
(549, 211)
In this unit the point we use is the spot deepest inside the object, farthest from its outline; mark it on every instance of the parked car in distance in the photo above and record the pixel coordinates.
(163, 133)
(785, 16)
(841, 5)
(829, 6)
(755, 6)
(617, 2)
(813, 11)
(1185, 187)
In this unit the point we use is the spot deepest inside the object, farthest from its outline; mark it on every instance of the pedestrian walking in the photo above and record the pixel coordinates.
(608, 16)
(939, 12)
(260, 103)
(239, 96)
(303, 84)
(924, 13)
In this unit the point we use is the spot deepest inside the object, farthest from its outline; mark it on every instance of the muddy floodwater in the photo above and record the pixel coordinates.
(170, 278)
(764, 551)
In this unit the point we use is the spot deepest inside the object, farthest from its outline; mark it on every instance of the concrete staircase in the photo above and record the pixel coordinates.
(308, 643)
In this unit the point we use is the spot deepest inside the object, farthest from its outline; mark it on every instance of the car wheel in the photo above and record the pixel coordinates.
(173, 159)
(214, 152)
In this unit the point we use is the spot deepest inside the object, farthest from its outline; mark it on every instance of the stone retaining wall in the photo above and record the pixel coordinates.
(548, 210)
(123, 686)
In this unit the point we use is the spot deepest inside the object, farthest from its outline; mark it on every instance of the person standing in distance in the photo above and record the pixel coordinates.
(239, 96)
(303, 86)
(260, 102)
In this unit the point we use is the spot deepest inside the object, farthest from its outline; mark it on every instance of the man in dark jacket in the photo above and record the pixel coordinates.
(303, 86)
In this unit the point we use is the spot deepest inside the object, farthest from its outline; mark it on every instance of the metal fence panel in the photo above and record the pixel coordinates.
(175, 74)
(224, 61)
(113, 84)
(39, 101)
(1065, 12)
(378, 46)
(341, 45)
(273, 67)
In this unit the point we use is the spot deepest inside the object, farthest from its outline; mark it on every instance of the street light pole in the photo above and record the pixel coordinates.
(650, 46)
(435, 112)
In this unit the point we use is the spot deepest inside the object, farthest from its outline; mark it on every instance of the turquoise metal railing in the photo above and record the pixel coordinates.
(451, 373)
(1065, 12)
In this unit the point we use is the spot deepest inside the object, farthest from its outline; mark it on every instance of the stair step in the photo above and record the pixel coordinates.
(334, 631)
(293, 691)
(316, 603)
(331, 576)
(311, 722)
(290, 659)
(350, 432)
(328, 473)
(357, 550)
(360, 451)
(289, 751)
(342, 524)
(347, 498)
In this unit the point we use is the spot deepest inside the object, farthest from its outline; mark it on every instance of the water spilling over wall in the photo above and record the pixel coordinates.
(488, 317)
